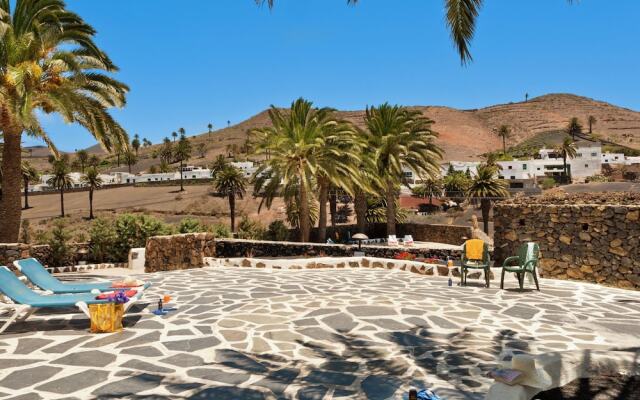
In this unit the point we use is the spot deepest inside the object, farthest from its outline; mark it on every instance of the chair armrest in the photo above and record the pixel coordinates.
(509, 260)
(528, 264)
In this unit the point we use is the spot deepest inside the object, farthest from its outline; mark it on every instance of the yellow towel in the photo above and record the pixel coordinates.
(474, 249)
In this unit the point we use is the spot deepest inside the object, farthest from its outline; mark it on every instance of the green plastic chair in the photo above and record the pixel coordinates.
(467, 264)
(524, 263)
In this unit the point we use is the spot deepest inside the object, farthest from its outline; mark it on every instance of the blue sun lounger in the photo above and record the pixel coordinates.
(25, 301)
(36, 272)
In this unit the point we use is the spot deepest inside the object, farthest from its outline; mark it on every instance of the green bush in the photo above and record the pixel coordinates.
(248, 229)
(102, 240)
(277, 231)
(548, 183)
(61, 253)
(221, 231)
(191, 225)
(132, 231)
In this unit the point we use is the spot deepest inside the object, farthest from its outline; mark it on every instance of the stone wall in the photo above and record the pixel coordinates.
(168, 253)
(594, 238)
(9, 252)
(448, 234)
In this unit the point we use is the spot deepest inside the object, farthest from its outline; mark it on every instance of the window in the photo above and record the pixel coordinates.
(616, 157)
(193, 176)
(524, 167)
(538, 168)
(513, 177)
(594, 154)
(586, 165)
(516, 185)
(501, 177)
(579, 155)
(510, 167)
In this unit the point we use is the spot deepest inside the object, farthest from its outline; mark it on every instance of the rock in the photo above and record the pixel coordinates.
(615, 243)
(565, 239)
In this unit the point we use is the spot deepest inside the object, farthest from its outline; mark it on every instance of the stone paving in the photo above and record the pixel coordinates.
(310, 334)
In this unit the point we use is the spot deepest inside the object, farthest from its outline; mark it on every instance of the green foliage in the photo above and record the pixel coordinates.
(598, 178)
(249, 229)
(221, 231)
(377, 211)
(59, 244)
(548, 183)
(132, 231)
(191, 225)
(628, 152)
(102, 240)
(278, 231)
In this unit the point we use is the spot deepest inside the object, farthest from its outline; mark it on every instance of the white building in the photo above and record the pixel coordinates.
(247, 167)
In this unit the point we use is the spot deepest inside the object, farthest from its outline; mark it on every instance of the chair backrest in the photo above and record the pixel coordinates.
(475, 249)
(527, 252)
(15, 289)
(392, 240)
(37, 274)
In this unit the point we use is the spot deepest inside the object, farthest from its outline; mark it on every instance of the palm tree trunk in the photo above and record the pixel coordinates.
(232, 211)
(504, 145)
(391, 208)
(360, 206)
(90, 203)
(304, 222)
(564, 162)
(333, 209)
(62, 201)
(181, 183)
(485, 205)
(322, 216)
(118, 155)
(11, 202)
(26, 194)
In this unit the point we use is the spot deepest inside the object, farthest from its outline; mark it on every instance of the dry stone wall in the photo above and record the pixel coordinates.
(169, 253)
(594, 238)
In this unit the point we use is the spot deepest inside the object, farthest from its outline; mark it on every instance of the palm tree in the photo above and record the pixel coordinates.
(592, 121)
(219, 164)
(183, 133)
(202, 149)
(83, 158)
(210, 126)
(49, 63)
(60, 179)
(29, 174)
(485, 188)
(135, 143)
(460, 18)
(94, 161)
(504, 132)
(568, 150)
(401, 138)
(230, 183)
(130, 159)
(182, 153)
(175, 135)
(455, 185)
(574, 128)
(294, 142)
(430, 188)
(93, 181)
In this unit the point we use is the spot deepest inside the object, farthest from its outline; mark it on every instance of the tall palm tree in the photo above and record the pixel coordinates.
(456, 185)
(183, 133)
(83, 157)
(592, 121)
(231, 183)
(568, 151)
(486, 188)
(29, 174)
(175, 136)
(182, 153)
(135, 143)
(504, 132)
(210, 126)
(401, 138)
(94, 161)
(294, 142)
(202, 149)
(574, 128)
(219, 164)
(49, 63)
(61, 179)
(130, 159)
(93, 181)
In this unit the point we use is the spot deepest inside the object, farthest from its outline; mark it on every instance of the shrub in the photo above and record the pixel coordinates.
(102, 241)
(248, 229)
(548, 183)
(132, 231)
(221, 231)
(278, 231)
(26, 233)
(59, 243)
(191, 225)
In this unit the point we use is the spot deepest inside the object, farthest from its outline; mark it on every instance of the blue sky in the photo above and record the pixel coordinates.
(192, 62)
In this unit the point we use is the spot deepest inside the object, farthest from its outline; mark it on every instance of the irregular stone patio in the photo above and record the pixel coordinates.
(310, 334)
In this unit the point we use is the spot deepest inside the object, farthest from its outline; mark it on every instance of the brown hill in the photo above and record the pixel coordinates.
(464, 134)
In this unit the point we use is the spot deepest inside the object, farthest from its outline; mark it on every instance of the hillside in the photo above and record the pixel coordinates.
(464, 134)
